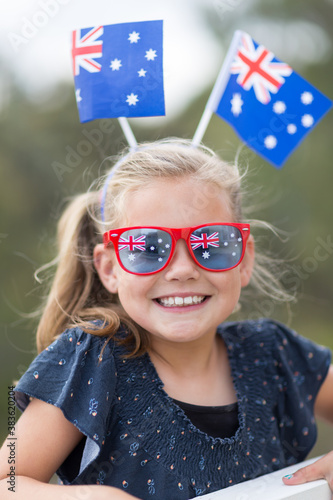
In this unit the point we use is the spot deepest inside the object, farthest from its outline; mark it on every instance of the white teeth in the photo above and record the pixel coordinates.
(181, 301)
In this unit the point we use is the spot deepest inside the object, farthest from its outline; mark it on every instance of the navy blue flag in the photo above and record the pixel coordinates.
(269, 105)
(118, 70)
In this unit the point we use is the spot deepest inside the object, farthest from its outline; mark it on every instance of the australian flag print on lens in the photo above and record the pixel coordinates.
(118, 70)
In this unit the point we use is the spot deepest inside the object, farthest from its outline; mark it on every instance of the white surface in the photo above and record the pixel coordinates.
(271, 487)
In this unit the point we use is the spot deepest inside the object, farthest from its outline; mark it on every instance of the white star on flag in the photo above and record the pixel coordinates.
(306, 98)
(307, 121)
(115, 64)
(270, 142)
(236, 104)
(134, 37)
(131, 257)
(206, 255)
(291, 129)
(77, 95)
(142, 72)
(150, 54)
(132, 99)
(279, 107)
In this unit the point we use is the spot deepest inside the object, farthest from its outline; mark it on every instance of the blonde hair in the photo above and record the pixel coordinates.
(76, 295)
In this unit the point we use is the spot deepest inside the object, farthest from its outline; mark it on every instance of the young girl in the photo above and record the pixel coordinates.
(142, 388)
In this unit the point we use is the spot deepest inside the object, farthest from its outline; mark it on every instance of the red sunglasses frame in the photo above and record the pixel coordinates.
(176, 234)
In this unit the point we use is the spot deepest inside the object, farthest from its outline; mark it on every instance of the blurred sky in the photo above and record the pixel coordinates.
(35, 41)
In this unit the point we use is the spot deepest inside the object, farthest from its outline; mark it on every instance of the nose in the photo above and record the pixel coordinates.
(182, 266)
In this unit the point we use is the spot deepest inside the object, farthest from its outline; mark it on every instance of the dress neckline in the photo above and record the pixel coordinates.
(207, 409)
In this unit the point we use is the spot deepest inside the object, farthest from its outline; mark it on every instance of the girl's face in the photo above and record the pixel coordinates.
(177, 203)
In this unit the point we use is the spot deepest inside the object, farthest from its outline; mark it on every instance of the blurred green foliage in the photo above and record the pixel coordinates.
(46, 156)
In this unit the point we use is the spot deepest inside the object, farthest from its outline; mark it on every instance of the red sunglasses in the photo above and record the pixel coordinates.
(148, 250)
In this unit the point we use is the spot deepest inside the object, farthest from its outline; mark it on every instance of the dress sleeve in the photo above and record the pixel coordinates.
(73, 375)
(302, 367)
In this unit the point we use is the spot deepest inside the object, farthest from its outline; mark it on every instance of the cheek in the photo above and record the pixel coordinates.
(132, 289)
(229, 284)
(133, 296)
(227, 279)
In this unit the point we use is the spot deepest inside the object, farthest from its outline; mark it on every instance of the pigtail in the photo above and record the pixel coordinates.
(74, 269)
(76, 296)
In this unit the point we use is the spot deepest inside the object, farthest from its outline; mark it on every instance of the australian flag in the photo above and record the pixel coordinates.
(118, 70)
(269, 105)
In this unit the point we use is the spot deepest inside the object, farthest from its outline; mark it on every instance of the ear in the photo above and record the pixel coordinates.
(246, 266)
(106, 267)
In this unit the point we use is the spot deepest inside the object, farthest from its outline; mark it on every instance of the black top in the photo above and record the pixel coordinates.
(216, 421)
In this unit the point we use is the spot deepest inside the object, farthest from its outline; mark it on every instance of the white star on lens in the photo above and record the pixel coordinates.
(142, 72)
(206, 255)
(279, 107)
(77, 95)
(291, 129)
(132, 99)
(160, 259)
(233, 254)
(270, 142)
(167, 245)
(307, 98)
(236, 104)
(134, 37)
(307, 121)
(115, 64)
(160, 240)
(150, 54)
(225, 243)
(152, 248)
(131, 257)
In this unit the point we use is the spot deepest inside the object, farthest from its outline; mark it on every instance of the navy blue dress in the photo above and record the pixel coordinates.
(138, 439)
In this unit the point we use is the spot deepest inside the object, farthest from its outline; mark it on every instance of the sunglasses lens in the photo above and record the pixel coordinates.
(217, 247)
(144, 250)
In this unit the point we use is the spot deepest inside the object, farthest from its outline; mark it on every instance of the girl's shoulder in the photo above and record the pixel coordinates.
(77, 348)
(272, 339)
(259, 330)
(76, 373)
(253, 331)
(69, 368)
(74, 340)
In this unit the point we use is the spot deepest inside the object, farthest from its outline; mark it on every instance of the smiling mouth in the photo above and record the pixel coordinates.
(191, 300)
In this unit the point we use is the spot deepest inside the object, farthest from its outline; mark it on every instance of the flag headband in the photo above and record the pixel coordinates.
(118, 73)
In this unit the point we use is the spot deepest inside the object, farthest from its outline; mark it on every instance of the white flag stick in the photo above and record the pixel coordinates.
(128, 133)
(217, 91)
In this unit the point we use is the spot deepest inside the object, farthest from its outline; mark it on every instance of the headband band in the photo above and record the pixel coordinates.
(106, 183)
